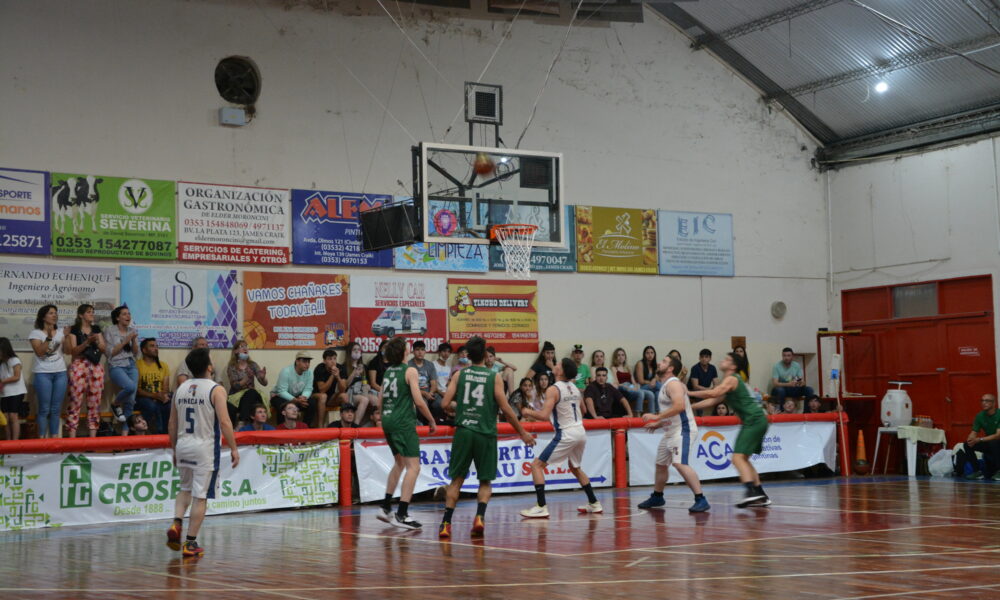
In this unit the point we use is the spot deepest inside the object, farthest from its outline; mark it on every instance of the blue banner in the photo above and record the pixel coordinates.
(546, 259)
(326, 230)
(176, 304)
(24, 212)
(693, 243)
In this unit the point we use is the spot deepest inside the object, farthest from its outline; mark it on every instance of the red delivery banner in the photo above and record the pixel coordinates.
(233, 224)
(503, 312)
(294, 310)
(383, 306)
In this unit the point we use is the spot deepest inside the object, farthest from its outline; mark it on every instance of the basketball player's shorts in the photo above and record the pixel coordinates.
(403, 441)
(202, 483)
(750, 440)
(470, 447)
(676, 448)
(567, 445)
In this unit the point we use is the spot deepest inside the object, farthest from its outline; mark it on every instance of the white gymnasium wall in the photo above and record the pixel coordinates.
(126, 88)
(923, 217)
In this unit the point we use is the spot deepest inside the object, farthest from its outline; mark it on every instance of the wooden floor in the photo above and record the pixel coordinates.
(882, 538)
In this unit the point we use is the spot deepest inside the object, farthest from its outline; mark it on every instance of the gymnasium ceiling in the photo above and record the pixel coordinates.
(822, 61)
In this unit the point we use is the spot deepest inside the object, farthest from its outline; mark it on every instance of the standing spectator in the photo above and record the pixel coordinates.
(427, 378)
(582, 370)
(50, 369)
(295, 386)
(704, 375)
(786, 379)
(153, 392)
(645, 376)
(985, 438)
(85, 345)
(604, 401)
(359, 392)
(545, 362)
(619, 374)
(258, 421)
(290, 417)
(183, 373)
(442, 368)
(122, 349)
(328, 385)
(505, 371)
(744, 372)
(12, 389)
(242, 373)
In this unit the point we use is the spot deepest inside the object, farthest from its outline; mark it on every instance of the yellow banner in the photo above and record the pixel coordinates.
(616, 240)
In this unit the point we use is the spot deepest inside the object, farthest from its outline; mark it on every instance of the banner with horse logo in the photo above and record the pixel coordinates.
(112, 217)
(176, 305)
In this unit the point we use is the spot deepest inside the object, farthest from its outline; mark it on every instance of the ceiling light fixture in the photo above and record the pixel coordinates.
(881, 87)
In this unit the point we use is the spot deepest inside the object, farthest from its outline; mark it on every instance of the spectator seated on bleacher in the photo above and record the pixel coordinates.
(348, 412)
(290, 412)
(787, 379)
(789, 407)
(137, 425)
(603, 400)
(814, 404)
(328, 386)
(258, 420)
(294, 386)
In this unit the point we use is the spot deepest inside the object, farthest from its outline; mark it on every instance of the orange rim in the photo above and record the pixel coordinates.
(513, 228)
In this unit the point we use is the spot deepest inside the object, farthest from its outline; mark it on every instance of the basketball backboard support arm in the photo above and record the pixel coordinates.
(464, 190)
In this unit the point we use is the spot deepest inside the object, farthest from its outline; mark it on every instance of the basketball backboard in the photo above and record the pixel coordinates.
(463, 198)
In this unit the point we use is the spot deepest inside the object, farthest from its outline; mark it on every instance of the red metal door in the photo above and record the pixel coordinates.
(919, 358)
(969, 360)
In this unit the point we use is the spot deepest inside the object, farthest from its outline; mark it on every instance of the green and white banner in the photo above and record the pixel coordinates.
(52, 490)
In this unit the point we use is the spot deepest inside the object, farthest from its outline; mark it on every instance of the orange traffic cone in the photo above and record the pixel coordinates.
(861, 466)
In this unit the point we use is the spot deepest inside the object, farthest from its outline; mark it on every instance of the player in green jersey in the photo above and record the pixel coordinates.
(400, 393)
(750, 440)
(477, 393)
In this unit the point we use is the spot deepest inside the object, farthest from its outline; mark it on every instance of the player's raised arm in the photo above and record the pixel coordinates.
(413, 380)
(508, 412)
(551, 397)
(220, 401)
(713, 395)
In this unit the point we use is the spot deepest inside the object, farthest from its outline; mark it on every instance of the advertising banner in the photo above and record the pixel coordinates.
(232, 224)
(54, 490)
(24, 212)
(374, 460)
(787, 447)
(615, 240)
(294, 310)
(176, 305)
(696, 243)
(26, 288)
(503, 312)
(442, 257)
(546, 259)
(326, 230)
(385, 306)
(113, 217)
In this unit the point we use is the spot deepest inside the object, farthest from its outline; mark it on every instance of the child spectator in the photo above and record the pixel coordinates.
(789, 407)
(722, 410)
(137, 425)
(12, 389)
(814, 404)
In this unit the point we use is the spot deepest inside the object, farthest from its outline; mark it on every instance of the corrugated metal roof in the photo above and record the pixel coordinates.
(817, 44)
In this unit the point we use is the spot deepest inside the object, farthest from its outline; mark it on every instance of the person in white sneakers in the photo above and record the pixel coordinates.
(564, 403)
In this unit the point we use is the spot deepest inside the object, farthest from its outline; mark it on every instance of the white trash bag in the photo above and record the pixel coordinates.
(941, 465)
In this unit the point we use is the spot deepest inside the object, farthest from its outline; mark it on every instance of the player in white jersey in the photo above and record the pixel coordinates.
(199, 416)
(679, 436)
(564, 404)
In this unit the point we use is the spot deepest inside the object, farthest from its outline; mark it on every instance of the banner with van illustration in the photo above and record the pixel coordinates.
(384, 306)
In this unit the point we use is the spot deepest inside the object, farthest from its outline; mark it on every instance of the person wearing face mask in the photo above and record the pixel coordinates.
(242, 373)
(461, 360)
(355, 377)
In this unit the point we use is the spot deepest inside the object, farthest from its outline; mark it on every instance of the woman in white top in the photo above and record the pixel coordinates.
(12, 389)
(50, 379)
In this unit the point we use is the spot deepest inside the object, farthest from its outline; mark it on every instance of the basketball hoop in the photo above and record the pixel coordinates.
(516, 241)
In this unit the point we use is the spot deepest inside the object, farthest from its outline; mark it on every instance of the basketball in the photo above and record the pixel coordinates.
(484, 164)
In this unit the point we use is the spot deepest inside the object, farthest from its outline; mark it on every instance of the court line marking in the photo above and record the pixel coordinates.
(921, 592)
(524, 584)
(828, 556)
(637, 561)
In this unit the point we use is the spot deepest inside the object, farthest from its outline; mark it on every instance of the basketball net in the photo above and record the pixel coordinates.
(516, 242)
